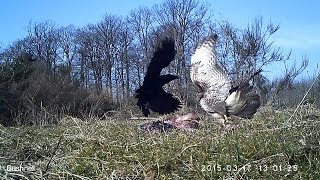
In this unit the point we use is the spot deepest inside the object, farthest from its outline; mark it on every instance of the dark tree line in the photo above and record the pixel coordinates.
(92, 69)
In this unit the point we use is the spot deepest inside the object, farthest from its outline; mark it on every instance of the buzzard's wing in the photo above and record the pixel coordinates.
(208, 76)
(219, 98)
(161, 58)
(244, 102)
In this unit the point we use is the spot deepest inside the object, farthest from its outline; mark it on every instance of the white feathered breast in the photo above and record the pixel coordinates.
(207, 73)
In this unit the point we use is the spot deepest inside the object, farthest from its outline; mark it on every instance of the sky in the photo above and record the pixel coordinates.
(299, 20)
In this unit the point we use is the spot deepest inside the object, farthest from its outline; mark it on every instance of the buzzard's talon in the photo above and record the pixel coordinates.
(230, 128)
(225, 118)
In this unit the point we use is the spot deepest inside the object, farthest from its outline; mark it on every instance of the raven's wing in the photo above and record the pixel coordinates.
(162, 57)
(164, 103)
(151, 95)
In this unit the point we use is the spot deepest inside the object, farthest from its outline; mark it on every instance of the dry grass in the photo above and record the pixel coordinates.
(272, 145)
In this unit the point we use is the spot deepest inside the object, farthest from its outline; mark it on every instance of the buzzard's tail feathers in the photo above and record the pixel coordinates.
(244, 102)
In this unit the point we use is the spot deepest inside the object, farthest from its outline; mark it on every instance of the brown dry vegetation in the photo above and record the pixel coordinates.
(275, 144)
(67, 106)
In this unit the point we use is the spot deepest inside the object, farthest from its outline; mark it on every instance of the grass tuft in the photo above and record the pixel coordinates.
(274, 144)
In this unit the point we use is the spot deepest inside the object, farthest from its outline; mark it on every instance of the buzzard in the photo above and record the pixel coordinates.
(217, 95)
(151, 95)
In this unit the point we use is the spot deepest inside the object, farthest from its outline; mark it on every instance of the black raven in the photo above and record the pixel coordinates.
(151, 94)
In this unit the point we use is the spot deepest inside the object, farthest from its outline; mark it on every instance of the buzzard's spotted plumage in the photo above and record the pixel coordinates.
(151, 95)
(217, 96)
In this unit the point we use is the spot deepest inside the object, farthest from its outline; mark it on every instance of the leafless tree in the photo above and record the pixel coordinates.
(285, 82)
(44, 39)
(189, 21)
(108, 37)
(67, 47)
(141, 22)
(243, 52)
(90, 64)
(126, 39)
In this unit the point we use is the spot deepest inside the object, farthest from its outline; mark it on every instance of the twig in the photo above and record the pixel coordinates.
(75, 175)
(143, 118)
(54, 152)
(4, 132)
(304, 97)
(21, 176)
(194, 145)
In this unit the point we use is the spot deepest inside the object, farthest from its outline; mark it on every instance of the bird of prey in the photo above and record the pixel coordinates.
(217, 95)
(151, 95)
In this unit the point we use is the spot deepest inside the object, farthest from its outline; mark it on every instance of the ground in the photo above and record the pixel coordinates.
(275, 144)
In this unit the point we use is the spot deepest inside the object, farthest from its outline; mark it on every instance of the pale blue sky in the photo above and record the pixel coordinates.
(299, 20)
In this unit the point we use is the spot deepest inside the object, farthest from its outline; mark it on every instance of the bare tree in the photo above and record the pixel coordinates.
(45, 43)
(126, 39)
(141, 22)
(91, 63)
(67, 47)
(243, 52)
(83, 41)
(188, 19)
(285, 82)
(108, 37)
